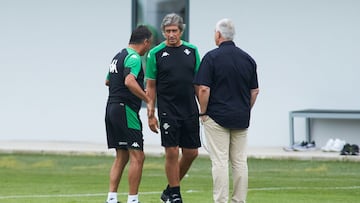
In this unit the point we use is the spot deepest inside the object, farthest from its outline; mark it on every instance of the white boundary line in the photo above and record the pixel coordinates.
(305, 188)
(189, 191)
(68, 195)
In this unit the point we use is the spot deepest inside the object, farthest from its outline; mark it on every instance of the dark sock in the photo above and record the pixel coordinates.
(167, 191)
(174, 190)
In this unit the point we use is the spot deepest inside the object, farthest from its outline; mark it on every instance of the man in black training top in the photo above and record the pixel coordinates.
(170, 70)
(123, 126)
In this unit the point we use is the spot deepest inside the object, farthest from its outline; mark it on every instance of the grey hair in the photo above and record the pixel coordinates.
(226, 28)
(173, 19)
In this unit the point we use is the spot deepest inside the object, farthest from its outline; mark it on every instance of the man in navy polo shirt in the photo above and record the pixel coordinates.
(227, 87)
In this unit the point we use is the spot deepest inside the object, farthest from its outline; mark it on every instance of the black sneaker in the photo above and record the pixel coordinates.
(300, 146)
(165, 196)
(175, 198)
(311, 146)
(346, 149)
(354, 149)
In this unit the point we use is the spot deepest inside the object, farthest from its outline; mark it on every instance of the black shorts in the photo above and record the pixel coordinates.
(182, 133)
(123, 127)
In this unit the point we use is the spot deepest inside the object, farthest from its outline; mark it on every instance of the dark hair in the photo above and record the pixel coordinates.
(140, 34)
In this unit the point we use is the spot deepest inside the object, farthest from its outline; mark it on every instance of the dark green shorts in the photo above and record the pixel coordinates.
(123, 127)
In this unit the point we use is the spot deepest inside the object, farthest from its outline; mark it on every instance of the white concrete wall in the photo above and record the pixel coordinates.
(306, 53)
(54, 56)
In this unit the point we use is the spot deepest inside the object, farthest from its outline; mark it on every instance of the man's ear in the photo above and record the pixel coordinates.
(218, 34)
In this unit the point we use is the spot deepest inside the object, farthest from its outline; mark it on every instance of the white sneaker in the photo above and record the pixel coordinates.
(328, 145)
(338, 145)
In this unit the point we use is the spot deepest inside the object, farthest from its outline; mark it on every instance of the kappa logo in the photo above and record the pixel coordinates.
(166, 126)
(164, 54)
(187, 51)
(135, 144)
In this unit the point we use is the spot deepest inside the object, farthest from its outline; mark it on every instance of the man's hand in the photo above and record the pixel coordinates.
(203, 118)
(153, 124)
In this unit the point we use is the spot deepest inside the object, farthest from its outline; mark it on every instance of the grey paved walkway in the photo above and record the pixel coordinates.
(58, 147)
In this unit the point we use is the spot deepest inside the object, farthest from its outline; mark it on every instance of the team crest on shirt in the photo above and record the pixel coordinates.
(164, 54)
(187, 51)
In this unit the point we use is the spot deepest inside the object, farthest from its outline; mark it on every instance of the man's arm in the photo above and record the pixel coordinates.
(151, 93)
(107, 80)
(254, 93)
(131, 83)
(203, 93)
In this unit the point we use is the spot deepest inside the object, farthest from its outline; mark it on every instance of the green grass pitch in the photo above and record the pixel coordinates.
(46, 178)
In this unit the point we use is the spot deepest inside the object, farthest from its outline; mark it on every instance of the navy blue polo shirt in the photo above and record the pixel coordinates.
(231, 74)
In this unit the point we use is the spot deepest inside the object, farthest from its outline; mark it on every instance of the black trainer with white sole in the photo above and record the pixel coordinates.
(175, 198)
(165, 196)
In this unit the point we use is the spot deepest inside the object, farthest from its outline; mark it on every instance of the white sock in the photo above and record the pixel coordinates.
(112, 197)
(133, 199)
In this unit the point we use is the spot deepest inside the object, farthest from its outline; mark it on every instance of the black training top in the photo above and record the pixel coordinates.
(128, 61)
(174, 68)
(231, 74)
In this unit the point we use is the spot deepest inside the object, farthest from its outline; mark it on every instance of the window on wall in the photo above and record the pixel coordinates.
(151, 13)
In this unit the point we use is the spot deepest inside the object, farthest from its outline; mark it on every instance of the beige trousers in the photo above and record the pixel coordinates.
(226, 145)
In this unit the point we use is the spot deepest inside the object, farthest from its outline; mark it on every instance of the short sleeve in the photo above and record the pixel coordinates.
(151, 70)
(133, 61)
(204, 74)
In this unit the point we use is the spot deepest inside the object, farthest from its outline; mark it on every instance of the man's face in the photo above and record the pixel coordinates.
(146, 46)
(172, 35)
